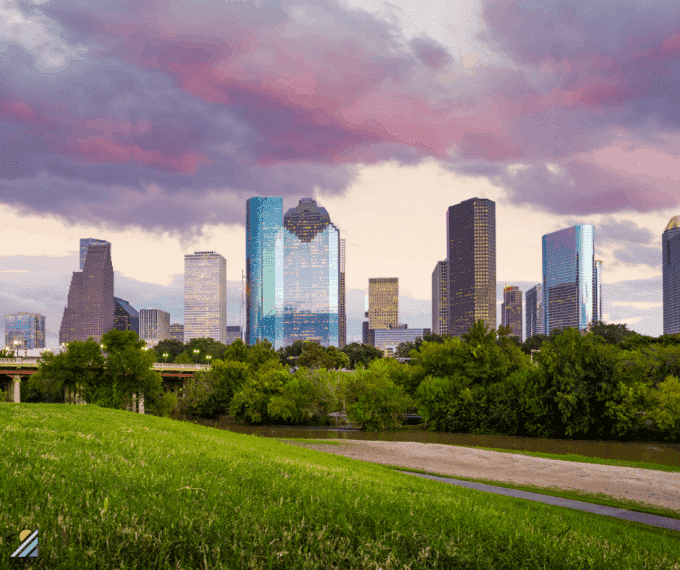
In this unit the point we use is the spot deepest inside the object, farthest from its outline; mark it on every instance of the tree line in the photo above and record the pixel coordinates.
(609, 383)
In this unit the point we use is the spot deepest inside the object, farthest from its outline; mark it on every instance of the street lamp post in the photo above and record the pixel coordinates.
(16, 343)
(165, 357)
(209, 357)
(196, 351)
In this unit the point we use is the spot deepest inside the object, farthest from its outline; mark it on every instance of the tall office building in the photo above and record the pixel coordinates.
(84, 244)
(597, 291)
(342, 309)
(471, 246)
(264, 270)
(383, 302)
(570, 279)
(534, 311)
(205, 296)
(177, 332)
(124, 316)
(440, 310)
(670, 249)
(511, 310)
(154, 324)
(24, 331)
(90, 309)
(311, 274)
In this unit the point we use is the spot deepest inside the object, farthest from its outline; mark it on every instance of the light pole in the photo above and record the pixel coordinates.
(196, 351)
(16, 343)
(165, 356)
(209, 357)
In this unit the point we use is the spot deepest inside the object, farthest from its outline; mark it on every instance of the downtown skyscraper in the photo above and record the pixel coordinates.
(670, 250)
(90, 307)
(571, 279)
(294, 274)
(24, 331)
(471, 248)
(205, 296)
(511, 310)
(533, 313)
(440, 308)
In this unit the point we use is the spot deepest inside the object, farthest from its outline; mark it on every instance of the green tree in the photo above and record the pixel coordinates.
(611, 333)
(170, 346)
(80, 367)
(336, 358)
(206, 347)
(128, 370)
(306, 399)
(262, 356)
(361, 354)
(288, 354)
(249, 404)
(533, 343)
(313, 355)
(372, 400)
(184, 358)
(665, 411)
(237, 351)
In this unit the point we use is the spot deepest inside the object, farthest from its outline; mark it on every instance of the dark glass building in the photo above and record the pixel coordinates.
(440, 310)
(534, 311)
(125, 317)
(90, 309)
(670, 249)
(511, 310)
(571, 280)
(471, 247)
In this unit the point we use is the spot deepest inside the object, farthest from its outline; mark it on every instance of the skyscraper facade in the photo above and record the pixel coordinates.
(177, 332)
(383, 302)
(597, 291)
(311, 273)
(233, 333)
(205, 296)
(24, 331)
(90, 309)
(670, 250)
(124, 316)
(471, 247)
(511, 310)
(342, 310)
(440, 309)
(570, 279)
(534, 311)
(264, 270)
(84, 244)
(154, 324)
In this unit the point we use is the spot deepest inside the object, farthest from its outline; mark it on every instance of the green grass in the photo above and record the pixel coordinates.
(113, 489)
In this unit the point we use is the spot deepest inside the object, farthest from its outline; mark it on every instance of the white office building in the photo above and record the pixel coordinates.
(205, 296)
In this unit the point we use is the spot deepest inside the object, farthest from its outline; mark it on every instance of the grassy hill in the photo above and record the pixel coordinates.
(113, 489)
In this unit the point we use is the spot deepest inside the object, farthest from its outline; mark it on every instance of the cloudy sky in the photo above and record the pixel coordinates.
(149, 124)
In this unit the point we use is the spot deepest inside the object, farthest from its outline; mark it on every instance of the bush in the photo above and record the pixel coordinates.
(665, 411)
(249, 404)
(162, 405)
(306, 399)
(372, 400)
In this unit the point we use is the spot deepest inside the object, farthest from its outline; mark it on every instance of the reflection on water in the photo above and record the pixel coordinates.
(661, 453)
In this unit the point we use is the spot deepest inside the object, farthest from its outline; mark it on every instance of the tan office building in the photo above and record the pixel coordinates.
(383, 302)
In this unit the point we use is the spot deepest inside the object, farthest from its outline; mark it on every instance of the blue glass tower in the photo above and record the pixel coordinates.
(311, 275)
(264, 270)
(571, 279)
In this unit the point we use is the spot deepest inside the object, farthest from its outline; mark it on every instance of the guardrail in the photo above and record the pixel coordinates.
(160, 365)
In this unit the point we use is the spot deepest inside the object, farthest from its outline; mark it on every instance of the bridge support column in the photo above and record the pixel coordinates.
(16, 389)
(140, 407)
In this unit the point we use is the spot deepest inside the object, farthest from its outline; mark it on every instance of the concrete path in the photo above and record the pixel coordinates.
(653, 520)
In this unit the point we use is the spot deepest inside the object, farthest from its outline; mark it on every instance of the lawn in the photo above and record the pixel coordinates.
(113, 489)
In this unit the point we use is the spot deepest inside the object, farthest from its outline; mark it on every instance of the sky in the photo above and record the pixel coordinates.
(149, 124)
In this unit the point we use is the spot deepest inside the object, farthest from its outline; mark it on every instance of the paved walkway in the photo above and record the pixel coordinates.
(653, 520)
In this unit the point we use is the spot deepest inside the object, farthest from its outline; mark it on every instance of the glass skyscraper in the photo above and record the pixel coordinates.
(125, 317)
(571, 280)
(511, 310)
(205, 296)
(534, 311)
(440, 280)
(311, 274)
(670, 249)
(24, 331)
(264, 270)
(471, 247)
(383, 303)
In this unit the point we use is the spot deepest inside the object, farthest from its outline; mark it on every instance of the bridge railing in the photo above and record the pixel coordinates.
(158, 365)
(15, 361)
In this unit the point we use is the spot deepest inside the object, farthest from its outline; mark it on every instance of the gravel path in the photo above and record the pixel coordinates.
(661, 488)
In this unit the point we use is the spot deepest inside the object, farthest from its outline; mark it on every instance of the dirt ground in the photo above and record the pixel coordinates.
(661, 488)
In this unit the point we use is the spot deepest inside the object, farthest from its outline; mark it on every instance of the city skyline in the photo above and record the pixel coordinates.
(153, 141)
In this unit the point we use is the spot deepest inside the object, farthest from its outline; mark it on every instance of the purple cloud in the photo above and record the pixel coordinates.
(162, 117)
